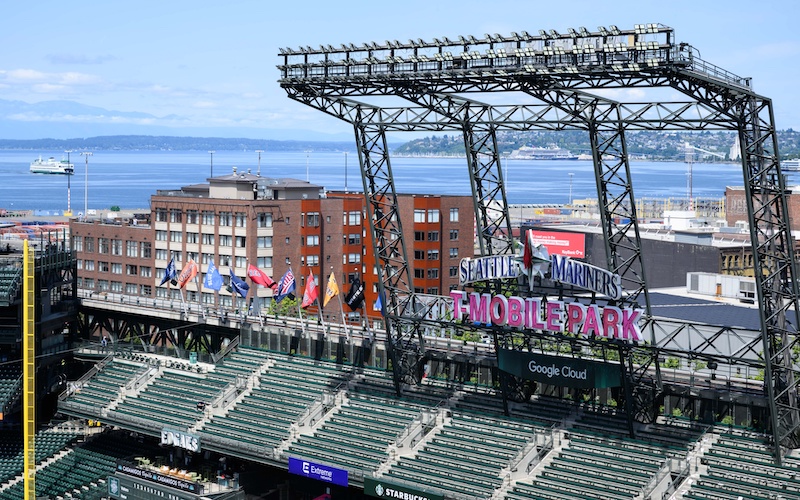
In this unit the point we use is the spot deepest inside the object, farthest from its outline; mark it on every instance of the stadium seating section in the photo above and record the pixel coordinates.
(463, 442)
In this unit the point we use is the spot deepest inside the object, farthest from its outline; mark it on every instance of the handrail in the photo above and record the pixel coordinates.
(78, 384)
(233, 344)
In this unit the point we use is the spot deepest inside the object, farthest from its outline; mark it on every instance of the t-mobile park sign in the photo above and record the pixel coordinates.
(554, 316)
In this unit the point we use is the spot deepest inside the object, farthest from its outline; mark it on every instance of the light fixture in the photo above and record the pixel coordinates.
(603, 31)
(584, 31)
(572, 32)
(554, 34)
(543, 33)
(614, 30)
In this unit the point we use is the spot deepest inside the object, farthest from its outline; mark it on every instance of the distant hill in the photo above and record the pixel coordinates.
(657, 145)
(173, 143)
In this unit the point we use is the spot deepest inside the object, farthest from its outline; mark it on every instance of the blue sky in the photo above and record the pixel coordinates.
(196, 65)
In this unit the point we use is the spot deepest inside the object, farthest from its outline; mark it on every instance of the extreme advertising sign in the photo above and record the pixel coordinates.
(384, 489)
(317, 471)
(559, 370)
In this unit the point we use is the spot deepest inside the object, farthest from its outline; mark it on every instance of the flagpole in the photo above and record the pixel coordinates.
(344, 322)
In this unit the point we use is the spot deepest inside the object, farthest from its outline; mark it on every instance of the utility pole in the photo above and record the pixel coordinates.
(86, 155)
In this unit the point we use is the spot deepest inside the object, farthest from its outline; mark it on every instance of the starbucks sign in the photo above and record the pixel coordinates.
(385, 489)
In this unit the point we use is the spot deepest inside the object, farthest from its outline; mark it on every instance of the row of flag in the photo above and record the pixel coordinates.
(283, 288)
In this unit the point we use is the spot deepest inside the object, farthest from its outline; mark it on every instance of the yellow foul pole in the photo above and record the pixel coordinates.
(29, 373)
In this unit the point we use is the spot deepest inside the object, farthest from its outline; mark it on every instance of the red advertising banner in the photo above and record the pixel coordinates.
(558, 243)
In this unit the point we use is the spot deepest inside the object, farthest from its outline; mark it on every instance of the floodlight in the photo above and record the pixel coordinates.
(584, 31)
(543, 33)
(420, 41)
(530, 68)
(603, 31)
(634, 66)
(437, 41)
(519, 53)
(554, 34)
(497, 36)
(423, 58)
(501, 52)
(639, 29)
(472, 39)
(447, 40)
(572, 32)
(618, 67)
(526, 35)
(614, 30)
(514, 35)
(487, 36)
(653, 28)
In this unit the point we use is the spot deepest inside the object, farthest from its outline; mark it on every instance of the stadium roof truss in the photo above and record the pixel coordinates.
(569, 78)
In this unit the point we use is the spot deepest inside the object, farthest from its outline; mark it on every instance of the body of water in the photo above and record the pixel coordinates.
(128, 178)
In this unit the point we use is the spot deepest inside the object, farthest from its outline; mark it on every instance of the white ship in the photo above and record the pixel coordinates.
(51, 166)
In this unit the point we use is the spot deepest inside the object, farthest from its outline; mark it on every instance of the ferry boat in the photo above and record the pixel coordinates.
(51, 166)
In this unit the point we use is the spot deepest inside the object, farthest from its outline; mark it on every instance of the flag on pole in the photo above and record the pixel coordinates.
(239, 285)
(170, 273)
(332, 289)
(355, 296)
(379, 304)
(258, 276)
(311, 293)
(213, 279)
(286, 285)
(187, 273)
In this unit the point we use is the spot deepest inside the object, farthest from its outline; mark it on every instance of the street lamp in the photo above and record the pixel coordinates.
(570, 188)
(86, 155)
(69, 185)
(212, 162)
(345, 171)
(259, 151)
(307, 165)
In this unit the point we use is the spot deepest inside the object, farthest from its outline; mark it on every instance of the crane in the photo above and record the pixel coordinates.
(688, 150)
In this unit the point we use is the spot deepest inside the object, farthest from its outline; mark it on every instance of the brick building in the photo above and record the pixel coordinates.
(242, 219)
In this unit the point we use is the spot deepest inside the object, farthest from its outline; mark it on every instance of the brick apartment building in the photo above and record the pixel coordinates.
(242, 219)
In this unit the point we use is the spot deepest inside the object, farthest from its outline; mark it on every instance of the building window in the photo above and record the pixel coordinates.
(433, 291)
(241, 220)
(433, 254)
(433, 274)
(419, 274)
(116, 286)
(225, 219)
(102, 285)
(312, 260)
(161, 215)
(453, 215)
(79, 264)
(351, 258)
(88, 283)
(419, 215)
(176, 236)
(264, 220)
(131, 288)
(312, 219)
(161, 235)
(145, 271)
(103, 245)
(206, 258)
(453, 271)
(208, 239)
(175, 215)
(208, 217)
(103, 267)
(354, 239)
(263, 262)
(89, 265)
(192, 217)
(433, 235)
(264, 242)
(419, 235)
(192, 237)
(419, 254)
(116, 247)
(287, 240)
(453, 234)
(433, 215)
(77, 243)
(132, 248)
(312, 240)
(453, 253)
(241, 262)
(241, 241)
(225, 240)
(146, 250)
(145, 290)
(161, 254)
(131, 270)
(354, 218)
